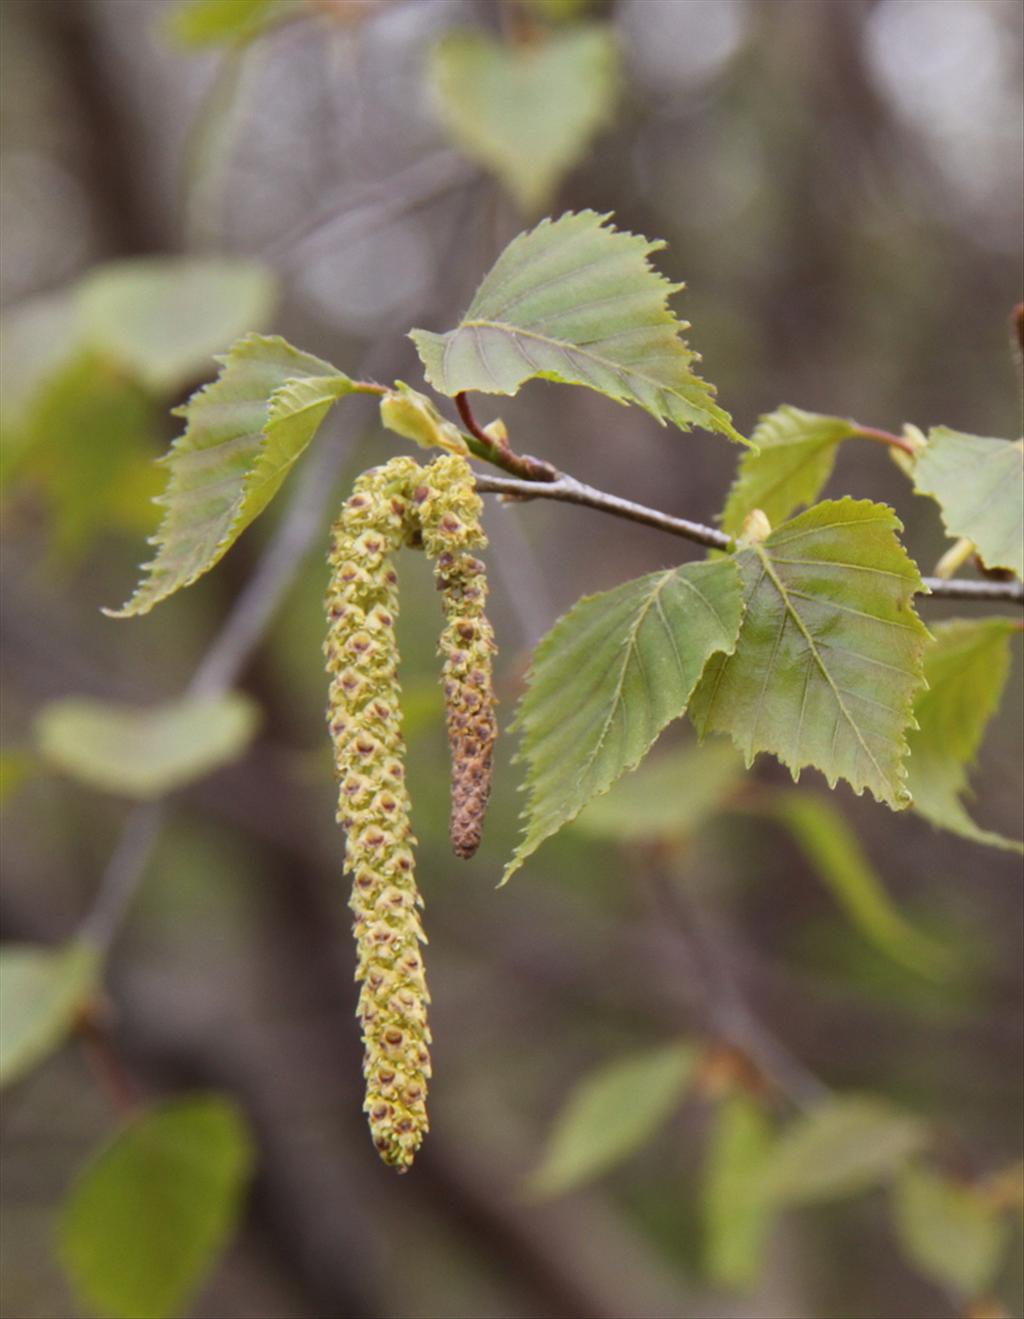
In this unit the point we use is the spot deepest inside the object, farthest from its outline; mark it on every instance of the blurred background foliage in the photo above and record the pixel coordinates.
(625, 1035)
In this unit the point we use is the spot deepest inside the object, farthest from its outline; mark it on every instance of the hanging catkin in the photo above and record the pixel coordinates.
(448, 508)
(373, 805)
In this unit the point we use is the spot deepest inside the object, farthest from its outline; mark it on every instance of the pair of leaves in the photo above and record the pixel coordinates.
(805, 645)
(528, 111)
(572, 300)
(148, 1216)
(144, 754)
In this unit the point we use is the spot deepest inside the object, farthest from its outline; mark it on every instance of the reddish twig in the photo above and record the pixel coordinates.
(498, 451)
(885, 437)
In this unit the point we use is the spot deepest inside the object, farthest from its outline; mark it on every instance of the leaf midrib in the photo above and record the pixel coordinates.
(567, 346)
(793, 613)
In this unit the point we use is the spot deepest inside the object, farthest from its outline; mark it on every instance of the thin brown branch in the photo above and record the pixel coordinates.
(570, 491)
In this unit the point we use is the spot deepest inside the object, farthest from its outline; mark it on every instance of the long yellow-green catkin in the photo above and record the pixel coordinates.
(449, 508)
(373, 805)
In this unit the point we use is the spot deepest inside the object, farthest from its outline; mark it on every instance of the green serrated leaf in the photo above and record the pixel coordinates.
(164, 317)
(829, 657)
(965, 667)
(611, 1113)
(527, 112)
(576, 301)
(143, 754)
(147, 1218)
(243, 434)
(949, 1231)
(835, 854)
(607, 679)
(978, 484)
(199, 23)
(843, 1146)
(668, 798)
(42, 991)
(795, 454)
(737, 1216)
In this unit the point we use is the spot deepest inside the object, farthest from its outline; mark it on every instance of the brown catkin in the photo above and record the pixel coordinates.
(448, 508)
(373, 805)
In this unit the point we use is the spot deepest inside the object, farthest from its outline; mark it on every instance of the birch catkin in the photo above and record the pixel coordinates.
(373, 805)
(448, 508)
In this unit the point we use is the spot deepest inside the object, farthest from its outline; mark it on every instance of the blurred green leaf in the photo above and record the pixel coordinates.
(966, 668)
(558, 11)
(527, 111)
(843, 1146)
(611, 1113)
(89, 444)
(978, 484)
(16, 766)
(829, 656)
(668, 798)
(244, 432)
(165, 317)
(576, 301)
(795, 453)
(607, 679)
(148, 1217)
(144, 753)
(737, 1216)
(948, 1230)
(36, 337)
(219, 22)
(834, 852)
(42, 991)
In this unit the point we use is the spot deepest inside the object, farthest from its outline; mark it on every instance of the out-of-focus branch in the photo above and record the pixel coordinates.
(725, 1008)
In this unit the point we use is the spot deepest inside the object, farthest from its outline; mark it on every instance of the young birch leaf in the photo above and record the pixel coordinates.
(966, 668)
(243, 433)
(576, 301)
(978, 484)
(610, 1114)
(607, 679)
(737, 1216)
(834, 852)
(841, 1147)
(829, 657)
(949, 1231)
(795, 453)
(526, 112)
(42, 991)
(143, 754)
(147, 1218)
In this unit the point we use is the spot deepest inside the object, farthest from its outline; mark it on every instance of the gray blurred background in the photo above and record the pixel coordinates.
(840, 187)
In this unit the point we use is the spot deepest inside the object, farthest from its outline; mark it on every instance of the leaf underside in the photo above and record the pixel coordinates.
(794, 457)
(526, 112)
(829, 657)
(148, 1216)
(966, 669)
(608, 678)
(243, 433)
(576, 301)
(978, 484)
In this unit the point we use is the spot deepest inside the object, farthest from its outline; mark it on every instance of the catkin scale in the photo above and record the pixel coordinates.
(448, 509)
(364, 718)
